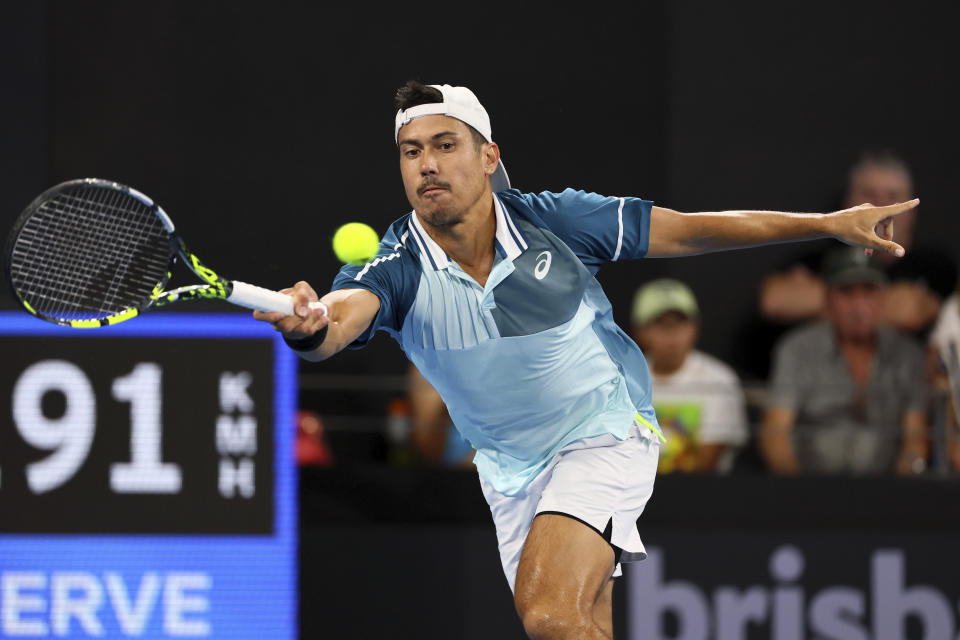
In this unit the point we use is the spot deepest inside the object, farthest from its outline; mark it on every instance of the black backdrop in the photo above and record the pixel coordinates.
(261, 128)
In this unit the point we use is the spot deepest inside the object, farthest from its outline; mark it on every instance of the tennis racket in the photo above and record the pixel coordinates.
(90, 253)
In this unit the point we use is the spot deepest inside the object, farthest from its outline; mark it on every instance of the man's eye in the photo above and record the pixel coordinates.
(446, 146)
(411, 153)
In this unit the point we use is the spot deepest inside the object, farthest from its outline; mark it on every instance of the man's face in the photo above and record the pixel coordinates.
(855, 309)
(443, 171)
(881, 186)
(668, 339)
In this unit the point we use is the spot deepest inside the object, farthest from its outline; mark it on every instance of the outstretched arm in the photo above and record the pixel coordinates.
(348, 313)
(677, 234)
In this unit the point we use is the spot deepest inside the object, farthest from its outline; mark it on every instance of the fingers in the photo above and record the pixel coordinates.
(302, 294)
(872, 227)
(269, 316)
(892, 209)
(305, 321)
(890, 247)
(882, 245)
(884, 229)
(299, 326)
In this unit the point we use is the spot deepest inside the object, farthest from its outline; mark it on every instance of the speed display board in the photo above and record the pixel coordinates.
(147, 481)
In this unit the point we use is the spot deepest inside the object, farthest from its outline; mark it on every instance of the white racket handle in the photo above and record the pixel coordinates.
(253, 297)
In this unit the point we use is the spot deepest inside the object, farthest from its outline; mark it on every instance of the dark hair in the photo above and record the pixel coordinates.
(413, 94)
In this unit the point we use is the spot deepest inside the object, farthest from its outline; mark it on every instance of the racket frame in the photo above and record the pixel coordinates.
(214, 287)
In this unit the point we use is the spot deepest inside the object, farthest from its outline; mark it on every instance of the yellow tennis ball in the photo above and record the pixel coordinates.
(355, 243)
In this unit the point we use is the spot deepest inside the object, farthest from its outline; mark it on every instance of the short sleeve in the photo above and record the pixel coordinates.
(392, 276)
(784, 389)
(599, 229)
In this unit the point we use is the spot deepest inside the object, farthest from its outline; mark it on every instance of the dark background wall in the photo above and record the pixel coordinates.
(261, 129)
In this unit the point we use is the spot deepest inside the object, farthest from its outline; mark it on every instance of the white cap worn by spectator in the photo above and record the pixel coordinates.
(462, 104)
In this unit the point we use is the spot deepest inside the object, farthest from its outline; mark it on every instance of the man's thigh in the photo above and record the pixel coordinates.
(602, 489)
(564, 563)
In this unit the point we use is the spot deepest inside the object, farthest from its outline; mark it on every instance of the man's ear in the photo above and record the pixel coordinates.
(491, 157)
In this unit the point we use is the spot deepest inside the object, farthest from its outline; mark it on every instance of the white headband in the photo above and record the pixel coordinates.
(462, 104)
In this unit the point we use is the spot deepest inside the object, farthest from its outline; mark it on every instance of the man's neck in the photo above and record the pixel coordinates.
(666, 369)
(470, 243)
(858, 354)
(859, 343)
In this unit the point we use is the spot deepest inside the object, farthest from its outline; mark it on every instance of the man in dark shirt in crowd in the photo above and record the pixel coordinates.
(847, 395)
(917, 283)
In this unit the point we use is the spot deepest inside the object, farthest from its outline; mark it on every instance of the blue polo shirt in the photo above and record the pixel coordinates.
(532, 360)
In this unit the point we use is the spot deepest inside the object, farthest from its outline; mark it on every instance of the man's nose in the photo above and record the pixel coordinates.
(428, 165)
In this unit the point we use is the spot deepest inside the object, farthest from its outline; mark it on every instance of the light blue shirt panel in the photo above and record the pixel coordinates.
(625, 353)
(519, 400)
(448, 311)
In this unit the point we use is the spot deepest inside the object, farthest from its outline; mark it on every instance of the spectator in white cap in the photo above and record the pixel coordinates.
(698, 399)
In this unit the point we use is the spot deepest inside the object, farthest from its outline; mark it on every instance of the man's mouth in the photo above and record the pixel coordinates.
(431, 190)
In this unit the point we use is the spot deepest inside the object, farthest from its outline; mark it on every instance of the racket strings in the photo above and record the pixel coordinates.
(116, 283)
(122, 285)
(89, 252)
(71, 247)
(67, 243)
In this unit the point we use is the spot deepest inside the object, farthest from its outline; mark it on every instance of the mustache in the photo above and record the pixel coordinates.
(432, 183)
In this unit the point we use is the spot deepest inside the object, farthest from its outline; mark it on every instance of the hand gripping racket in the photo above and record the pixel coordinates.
(90, 253)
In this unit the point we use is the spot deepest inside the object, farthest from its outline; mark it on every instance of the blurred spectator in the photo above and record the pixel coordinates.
(945, 341)
(400, 447)
(698, 399)
(918, 282)
(434, 435)
(311, 447)
(847, 396)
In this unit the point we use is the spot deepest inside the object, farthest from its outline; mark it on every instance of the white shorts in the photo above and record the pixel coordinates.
(603, 482)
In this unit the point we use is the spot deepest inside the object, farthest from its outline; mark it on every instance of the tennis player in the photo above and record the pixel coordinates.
(491, 294)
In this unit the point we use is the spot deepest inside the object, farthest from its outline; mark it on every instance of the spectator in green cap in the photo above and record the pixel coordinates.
(698, 399)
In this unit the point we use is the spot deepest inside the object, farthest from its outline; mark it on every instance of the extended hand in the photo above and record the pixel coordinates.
(871, 227)
(306, 321)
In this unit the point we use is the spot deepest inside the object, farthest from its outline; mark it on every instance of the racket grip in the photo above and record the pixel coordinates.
(254, 297)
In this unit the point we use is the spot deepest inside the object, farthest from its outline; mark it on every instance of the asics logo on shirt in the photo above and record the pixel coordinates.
(543, 265)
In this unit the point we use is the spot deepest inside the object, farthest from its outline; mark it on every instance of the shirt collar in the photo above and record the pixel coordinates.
(885, 342)
(435, 254)
(509, 241)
